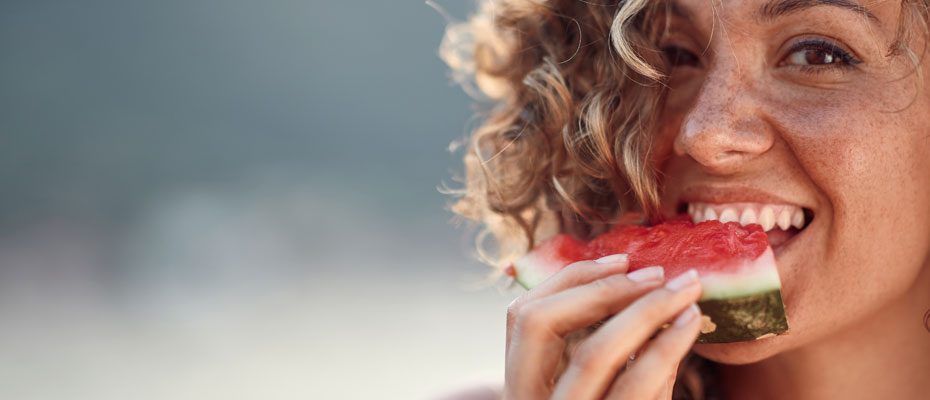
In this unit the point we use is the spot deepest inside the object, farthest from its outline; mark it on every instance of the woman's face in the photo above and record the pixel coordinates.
(798, 103)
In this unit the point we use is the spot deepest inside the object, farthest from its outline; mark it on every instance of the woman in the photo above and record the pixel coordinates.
(669, 107)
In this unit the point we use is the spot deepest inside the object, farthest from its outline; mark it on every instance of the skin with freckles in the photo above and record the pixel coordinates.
(810, 105)
(819, 105)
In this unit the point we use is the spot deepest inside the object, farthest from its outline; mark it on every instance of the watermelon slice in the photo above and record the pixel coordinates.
(742, 293)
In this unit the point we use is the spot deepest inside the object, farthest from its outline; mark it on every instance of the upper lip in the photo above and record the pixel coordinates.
(729, 194)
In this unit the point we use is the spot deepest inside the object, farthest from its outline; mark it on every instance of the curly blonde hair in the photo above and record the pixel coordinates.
(574, 88)
(564, 148)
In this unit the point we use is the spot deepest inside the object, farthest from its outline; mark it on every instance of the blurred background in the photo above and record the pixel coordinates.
(231, 199)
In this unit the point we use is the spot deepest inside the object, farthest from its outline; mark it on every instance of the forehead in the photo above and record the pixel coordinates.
(880, 12)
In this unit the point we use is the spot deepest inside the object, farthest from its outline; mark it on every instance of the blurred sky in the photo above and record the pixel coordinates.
(207, 199)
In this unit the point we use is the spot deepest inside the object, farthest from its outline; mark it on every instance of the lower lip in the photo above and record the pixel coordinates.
(778, 250)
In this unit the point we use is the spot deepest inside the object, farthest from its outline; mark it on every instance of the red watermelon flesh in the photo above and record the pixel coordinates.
(741, 297)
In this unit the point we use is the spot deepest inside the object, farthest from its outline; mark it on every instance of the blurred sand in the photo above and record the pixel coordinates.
(210, 308)
(206, 199)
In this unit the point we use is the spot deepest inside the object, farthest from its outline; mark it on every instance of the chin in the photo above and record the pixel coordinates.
(749, 352)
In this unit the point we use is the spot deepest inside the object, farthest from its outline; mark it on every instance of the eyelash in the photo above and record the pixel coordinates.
(845, 60)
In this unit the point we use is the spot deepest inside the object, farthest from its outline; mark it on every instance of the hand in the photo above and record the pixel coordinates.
(581, 294)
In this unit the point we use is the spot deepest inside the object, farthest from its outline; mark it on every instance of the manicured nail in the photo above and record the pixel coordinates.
(647, 274)
(613, 258)
(687, 315)
(682, 281)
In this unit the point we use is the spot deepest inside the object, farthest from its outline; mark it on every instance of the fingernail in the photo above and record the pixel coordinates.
(682, 281)
(646, 274)
(613, 258)
(687, 315)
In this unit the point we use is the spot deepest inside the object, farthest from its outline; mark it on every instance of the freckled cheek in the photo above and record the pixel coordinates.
(664, 137)
(842, 144)
(862, 161)
(678, 103)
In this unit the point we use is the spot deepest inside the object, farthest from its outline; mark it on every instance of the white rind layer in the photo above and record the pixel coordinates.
(754, 276)
(533, 270)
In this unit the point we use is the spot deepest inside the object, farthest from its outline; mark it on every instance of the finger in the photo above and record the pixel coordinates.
(654, 371)
(582, 272)
(597, 361)
(670, 384)
(575, 274)
(540, 328)
(669, 388)
(666, 393)
(670, 380)
(581, 306)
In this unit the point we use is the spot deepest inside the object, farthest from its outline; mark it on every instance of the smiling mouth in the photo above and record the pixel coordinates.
(781, 222)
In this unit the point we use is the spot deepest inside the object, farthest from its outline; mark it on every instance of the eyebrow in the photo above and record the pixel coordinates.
(678, 10)
(778, 8)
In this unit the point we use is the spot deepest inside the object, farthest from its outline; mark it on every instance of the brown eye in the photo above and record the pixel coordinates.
(819, 53)
(812, 57)
(679, 57)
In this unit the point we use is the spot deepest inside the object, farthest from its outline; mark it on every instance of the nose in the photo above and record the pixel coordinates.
(725, 128)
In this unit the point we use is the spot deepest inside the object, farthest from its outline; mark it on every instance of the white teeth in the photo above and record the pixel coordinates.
(697, 217)
(748, 217)
(797, 220)
(728, 215)
(767, 215)
(767, 218)
(784, 220)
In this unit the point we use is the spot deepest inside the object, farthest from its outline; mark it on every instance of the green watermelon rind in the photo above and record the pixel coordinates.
(743, 318)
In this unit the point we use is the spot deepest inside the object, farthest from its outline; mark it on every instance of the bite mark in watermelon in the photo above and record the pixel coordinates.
(741, 297)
